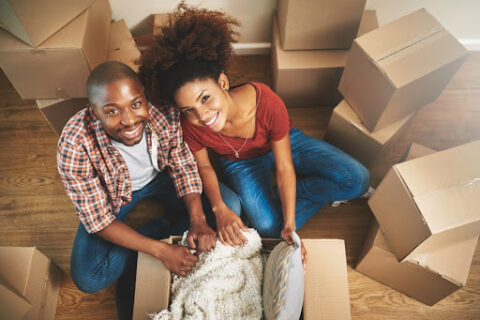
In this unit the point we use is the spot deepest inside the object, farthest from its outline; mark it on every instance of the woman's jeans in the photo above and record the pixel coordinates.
(97, 263)
(324, 174)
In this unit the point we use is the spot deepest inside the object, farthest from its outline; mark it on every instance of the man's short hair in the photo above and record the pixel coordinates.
(106, 73)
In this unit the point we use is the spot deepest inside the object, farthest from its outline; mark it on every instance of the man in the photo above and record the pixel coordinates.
(116, 152)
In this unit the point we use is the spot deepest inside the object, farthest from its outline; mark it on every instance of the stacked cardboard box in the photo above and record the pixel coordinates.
(326, 24)
(326, 284)
(51, 46)
(428, 223)
(390, 73)
(29, 284)
(308, 76)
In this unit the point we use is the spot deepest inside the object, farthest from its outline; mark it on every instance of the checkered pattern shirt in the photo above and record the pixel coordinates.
(95, 176)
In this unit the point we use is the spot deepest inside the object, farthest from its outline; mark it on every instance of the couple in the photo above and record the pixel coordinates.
(130, 143)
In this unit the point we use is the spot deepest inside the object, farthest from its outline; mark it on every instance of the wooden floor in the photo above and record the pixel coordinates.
(34, 210)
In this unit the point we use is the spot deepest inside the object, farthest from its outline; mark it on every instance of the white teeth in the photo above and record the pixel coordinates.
(209, 123)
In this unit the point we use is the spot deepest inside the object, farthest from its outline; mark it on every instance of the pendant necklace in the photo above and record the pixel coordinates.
(235, 152)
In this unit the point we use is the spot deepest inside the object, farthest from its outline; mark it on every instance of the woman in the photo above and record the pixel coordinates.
(247, 126)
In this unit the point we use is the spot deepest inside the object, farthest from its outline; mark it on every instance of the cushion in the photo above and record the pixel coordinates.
(284, 282)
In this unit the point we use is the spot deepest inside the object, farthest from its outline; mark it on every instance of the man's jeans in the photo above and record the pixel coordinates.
(97, 263)
(324, 174)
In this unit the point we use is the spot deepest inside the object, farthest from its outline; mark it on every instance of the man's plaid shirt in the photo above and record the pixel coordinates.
(95, 176)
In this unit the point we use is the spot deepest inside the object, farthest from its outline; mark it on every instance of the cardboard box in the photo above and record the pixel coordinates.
(399, 67)
(428, 277)
(34, 277)
(326, 24)
(121, 46)
(326, 284)
(59, 67)
(346, 131)
(430, 202)
(310, 78)
(58, 111)
(35, 21)
(159, 20)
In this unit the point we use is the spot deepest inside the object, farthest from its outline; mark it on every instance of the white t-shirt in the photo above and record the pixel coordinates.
(139, 162)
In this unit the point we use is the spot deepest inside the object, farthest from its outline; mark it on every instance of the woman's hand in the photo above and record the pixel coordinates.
(230, 227)
(286, 234)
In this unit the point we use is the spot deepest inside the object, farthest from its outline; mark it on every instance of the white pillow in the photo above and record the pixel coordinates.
(284, 282)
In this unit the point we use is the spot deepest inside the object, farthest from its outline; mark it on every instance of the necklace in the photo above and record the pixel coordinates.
(235, 152)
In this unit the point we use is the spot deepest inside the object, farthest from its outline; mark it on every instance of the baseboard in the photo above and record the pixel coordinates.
(252, 48)
(472, 44)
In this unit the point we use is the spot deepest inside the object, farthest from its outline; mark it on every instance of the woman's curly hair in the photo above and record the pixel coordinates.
(193, 44)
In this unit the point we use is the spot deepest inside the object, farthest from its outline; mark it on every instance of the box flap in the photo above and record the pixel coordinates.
(396, 212)
(12, 305)
(70, 36)
(399, 34)
(121, 46)
(152, 288)
(15, 266)
(35, 21)
(382, 136)
(451, 261)
(306, 59)
(89, 31)
(451, 198)
(326, 283)
(36, 289)
(97, 32)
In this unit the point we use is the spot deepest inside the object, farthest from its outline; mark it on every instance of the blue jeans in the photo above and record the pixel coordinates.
(324, 174)
(97, 263)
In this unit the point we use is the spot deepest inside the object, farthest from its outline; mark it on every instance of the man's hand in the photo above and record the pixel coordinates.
(229, 228)
(178, 259)
(201, 237)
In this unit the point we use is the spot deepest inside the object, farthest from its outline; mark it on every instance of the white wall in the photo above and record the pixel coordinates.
(460, 17)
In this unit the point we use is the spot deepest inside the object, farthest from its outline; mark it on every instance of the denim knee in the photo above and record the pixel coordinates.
(361, 178)
(88, 283)
(231, 199)
(268, 227)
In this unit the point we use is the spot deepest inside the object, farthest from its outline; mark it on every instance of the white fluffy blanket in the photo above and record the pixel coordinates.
(225, 284)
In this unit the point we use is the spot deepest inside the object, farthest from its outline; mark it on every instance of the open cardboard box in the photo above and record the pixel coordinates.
(427, 277)
(398, 68)
(430, 202)
(59, 67)
(28, 274)
(310, 78)
(326, 284)
(347, 132)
